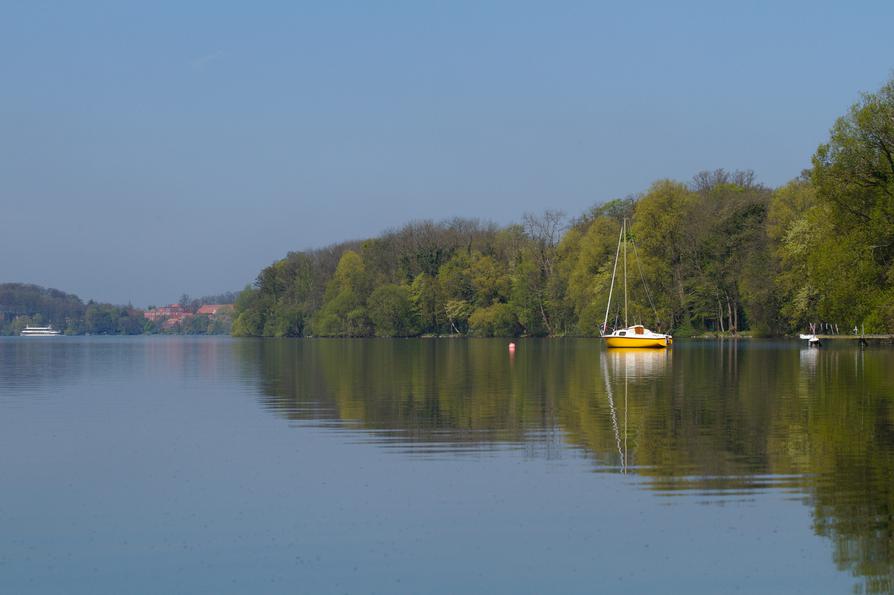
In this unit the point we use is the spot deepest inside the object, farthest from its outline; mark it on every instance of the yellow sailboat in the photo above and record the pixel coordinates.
(636, 336)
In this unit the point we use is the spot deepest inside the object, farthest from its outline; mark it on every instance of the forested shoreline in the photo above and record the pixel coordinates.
(23, 304)
(721, 253)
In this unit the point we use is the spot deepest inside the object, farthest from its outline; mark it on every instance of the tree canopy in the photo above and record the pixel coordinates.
(720, 253)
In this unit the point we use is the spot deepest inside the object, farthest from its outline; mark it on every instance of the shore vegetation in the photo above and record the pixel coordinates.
(721, 253)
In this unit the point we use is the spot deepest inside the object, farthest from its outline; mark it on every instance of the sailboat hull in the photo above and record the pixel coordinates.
(639, 342)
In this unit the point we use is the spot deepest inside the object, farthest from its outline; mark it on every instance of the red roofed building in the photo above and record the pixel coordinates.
(214, 309)
(174, 311)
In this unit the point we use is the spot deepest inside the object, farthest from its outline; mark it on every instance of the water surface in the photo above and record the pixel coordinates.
(147, 465)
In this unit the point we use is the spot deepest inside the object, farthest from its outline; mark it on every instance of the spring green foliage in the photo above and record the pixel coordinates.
(344, 311)
(721, 253)
(391, 311)
(853, 176)
(496, 320)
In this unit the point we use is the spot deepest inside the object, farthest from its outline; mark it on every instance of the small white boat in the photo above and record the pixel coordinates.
(39, 331)
(812, 340)
(810, 337)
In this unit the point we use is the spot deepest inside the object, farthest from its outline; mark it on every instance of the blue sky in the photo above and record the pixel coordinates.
(151, 149)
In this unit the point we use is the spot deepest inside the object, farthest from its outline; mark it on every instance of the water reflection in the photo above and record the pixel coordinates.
(717, 423)
(25, 370)
(39, 367)
(712, 421)
(411, 393)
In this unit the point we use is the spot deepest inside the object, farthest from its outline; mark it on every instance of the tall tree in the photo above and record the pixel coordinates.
(344, 310)
(853, 174)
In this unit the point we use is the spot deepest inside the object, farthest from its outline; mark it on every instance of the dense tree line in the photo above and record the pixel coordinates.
(198, 324)
(721, 253)
(192, 304)
(23, 304)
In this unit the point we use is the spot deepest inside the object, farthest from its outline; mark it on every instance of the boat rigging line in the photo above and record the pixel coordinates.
(612, 287)
(646, 287)
(622, 236)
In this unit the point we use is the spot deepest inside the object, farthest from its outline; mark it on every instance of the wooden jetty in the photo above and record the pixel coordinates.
(863, 339)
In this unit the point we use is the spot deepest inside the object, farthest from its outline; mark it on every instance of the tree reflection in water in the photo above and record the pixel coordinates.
(716, 420)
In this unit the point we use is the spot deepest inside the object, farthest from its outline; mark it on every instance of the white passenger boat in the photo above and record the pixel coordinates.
(40, 331)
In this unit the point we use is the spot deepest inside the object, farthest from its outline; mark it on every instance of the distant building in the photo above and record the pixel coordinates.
(171, 316)
(172, 322)
(215, 309)
(174, 312)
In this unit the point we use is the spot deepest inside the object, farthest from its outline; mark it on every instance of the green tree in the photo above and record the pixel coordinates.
(525, 300)
(853, 174)
(497, 320)
(458, 312)
(455, 277)
(391, 311)
(249, 321)
(665, 241)
(587, 262)
(795, 227)
(428, 298)
(99, 319)
(490, 281)
(344, 309)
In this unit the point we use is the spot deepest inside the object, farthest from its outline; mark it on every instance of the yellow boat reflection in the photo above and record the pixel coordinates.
(634, 363)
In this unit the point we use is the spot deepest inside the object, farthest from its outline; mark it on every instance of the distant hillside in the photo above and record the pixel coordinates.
(23, 304)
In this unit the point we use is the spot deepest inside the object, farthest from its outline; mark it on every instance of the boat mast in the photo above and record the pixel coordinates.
(612, 286)
(624, 232)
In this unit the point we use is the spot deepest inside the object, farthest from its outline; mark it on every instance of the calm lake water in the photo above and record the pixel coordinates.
(215, 465)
